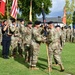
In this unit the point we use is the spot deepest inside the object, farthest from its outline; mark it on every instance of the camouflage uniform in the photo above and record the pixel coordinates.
(22, 38)
(37, 38)
(14, 40)
(68, 32)
(0, 36)
(72, 35)
(27, 46)
(63, 35)
(54, 47)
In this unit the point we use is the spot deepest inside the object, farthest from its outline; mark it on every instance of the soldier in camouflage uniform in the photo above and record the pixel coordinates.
(54, 45)
(68, 33)
(27, 46)
(22, 36)
(14, 30)
(63, 35)
(0, 35)
(59, 33)
(37, 38)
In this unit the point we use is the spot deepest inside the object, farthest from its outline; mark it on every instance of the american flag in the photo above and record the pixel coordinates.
(14, 9)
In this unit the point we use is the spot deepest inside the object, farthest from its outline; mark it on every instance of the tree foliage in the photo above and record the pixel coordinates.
(70, 6)
(24, 6)
(74, 18)
(36, 7)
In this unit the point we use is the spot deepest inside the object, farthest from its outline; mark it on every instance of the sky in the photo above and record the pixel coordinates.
(57, 8)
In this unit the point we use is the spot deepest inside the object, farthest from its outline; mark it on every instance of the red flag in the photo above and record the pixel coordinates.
(64, 20)
(14, 9)
(64, 16)
(2, 7)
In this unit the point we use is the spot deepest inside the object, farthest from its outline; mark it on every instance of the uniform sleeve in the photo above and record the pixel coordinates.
(2, 30)
(53, 35)
(37, 35)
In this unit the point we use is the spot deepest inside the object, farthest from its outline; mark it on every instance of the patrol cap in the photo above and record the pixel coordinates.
(69, 26)
(29, 22)
(50, 22)
(57, 26)
(65, 27)
(21, 20)
(13, 20)
(37, 22)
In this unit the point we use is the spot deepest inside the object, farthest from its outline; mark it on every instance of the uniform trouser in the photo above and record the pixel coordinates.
(0, 39)
(19, 49)
(58, 50)
(54, 51)
(55, 60)
(6, 46)
(27, 52)
(15, 49)
(63, 43)
(35, 51)
(68, 38)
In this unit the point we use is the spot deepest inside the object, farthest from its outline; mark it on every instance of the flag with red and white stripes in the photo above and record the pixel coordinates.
(14, 9)
(2, 7)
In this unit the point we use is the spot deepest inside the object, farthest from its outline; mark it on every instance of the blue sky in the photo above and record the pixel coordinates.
(57, 8)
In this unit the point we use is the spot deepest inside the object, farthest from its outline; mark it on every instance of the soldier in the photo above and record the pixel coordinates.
(0, 34)
(22, 35)
(63, 35)
(71, 35)
(28, 36)
(68, 32)
(13, 39)
(37, 38)
(53, 45)
(6, 39)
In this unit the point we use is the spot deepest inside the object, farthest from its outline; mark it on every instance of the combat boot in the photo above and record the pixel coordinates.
(33, 68)
(61, 67)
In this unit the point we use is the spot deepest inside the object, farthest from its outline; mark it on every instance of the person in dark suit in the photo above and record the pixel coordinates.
(6, 39)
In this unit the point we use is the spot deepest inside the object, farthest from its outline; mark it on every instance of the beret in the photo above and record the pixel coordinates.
(29, 22)
(37, 22)
(50, 22)
(21, 20)
(57, 26)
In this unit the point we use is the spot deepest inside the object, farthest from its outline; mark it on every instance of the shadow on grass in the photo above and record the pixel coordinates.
(54, 68)
(18, 58)
(21, 61)
(0, 52)
(69, 73)
(42, 66)
(42, 59)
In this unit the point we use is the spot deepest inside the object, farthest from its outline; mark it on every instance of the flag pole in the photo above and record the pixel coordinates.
(30, 13)
(7, 10)
(49, 68)
(9, 22)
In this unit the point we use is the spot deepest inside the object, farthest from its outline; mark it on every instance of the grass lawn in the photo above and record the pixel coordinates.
(18, 67)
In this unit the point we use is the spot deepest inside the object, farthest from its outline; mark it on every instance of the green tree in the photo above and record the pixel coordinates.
(70, 6)
(74, 18)
(24, 6)
(36, 7)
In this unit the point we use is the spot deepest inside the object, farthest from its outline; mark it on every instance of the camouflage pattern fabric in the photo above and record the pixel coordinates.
(35, 45)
